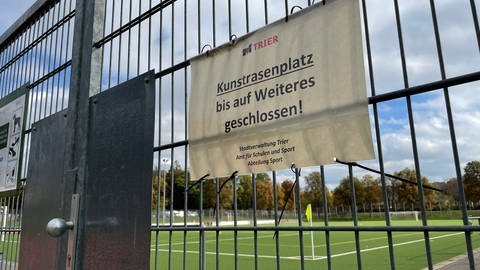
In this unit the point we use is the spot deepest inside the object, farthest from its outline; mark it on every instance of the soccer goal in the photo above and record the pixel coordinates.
(404, 215)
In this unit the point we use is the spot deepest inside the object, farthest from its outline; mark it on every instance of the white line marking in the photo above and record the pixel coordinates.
(395, 245)
(226, 239)
(307, 258)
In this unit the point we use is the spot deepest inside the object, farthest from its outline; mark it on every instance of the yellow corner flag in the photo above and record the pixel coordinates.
(308, 212)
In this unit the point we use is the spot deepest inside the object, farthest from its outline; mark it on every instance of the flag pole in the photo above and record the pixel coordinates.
(311, 236)
(308, 214)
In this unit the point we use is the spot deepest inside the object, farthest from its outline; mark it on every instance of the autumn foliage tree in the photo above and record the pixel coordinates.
(471, 180)
(286, 186)
(408, 193)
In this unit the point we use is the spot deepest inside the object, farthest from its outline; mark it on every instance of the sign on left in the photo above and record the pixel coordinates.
(12, 122)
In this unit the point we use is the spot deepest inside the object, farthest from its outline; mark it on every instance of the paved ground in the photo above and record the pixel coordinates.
(459, 262)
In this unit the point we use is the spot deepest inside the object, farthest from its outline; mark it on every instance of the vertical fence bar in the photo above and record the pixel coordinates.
(413, 136)
(355, 217)
(217, 232)
(246, 17)
(254, 208)
(33, 73)
(129, 36)
(201, 257)
(185, 124)
(16, 237)
(139, 35)
(201, 248)
(67, 47)
(451, 126)
(157, 214)
(100, 86)
(88, 22)
(60, 54)
(9, 69)
(9, 225)
(172, 85)
(43, 90)
(325, 217)
(230, 19)
(275, 209)
(16, 64)
(299, 217)
(120, 43)
(378, 137)
(49, 57)
(213, 25)
(235, 223)
(3, 234)
(475, 22)
(171, 217)
(111, 46)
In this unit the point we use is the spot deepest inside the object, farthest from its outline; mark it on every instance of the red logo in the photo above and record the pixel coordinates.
(260, 44)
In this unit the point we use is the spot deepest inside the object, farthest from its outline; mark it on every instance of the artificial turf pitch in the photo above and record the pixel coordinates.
(409, 248)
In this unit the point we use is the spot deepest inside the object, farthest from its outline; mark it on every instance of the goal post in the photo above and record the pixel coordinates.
(403, 215)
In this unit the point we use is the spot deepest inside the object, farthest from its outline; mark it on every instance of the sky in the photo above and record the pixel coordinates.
(460, 53)
(11, 11)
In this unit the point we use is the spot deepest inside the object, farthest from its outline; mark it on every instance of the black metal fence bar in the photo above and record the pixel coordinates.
(413, 137)
(451, 127)
(455, 228)
(354, 216)
(325, 218)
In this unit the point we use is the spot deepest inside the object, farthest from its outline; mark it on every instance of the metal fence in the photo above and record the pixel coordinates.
(140, 35)
(35, 51)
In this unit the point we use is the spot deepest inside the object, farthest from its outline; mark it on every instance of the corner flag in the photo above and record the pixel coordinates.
(308, 212)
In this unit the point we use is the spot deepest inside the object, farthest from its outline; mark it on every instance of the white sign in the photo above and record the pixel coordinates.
(11, 135)
(291, 92)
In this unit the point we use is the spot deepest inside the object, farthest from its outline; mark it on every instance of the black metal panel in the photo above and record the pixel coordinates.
(117, 233)
(43, 196)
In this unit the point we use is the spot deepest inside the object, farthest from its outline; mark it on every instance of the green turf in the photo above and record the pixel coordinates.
(409, 248)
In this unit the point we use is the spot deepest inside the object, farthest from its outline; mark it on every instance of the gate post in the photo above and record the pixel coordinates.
(85, 82)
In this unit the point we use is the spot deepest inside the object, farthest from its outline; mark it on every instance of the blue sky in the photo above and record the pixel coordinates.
(460, 52)
(11, 11)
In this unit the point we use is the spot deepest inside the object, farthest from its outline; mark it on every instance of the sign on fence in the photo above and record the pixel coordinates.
(12, 112)
(291, 92)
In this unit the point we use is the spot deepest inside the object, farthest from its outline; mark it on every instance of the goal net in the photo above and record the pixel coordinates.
(404, 215)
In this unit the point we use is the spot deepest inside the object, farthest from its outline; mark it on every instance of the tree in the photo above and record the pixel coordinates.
(314, 190)
(342, 194)
(408, 193)
(179, 188)
(445, 200)
(286, 186)
(372, 190)
(471, 180)
(264, 195)
(155, 189)
(209, 194)
(452, 188)
(244, 192)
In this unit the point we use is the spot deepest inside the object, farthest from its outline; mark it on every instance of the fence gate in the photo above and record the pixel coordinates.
(97, 116)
